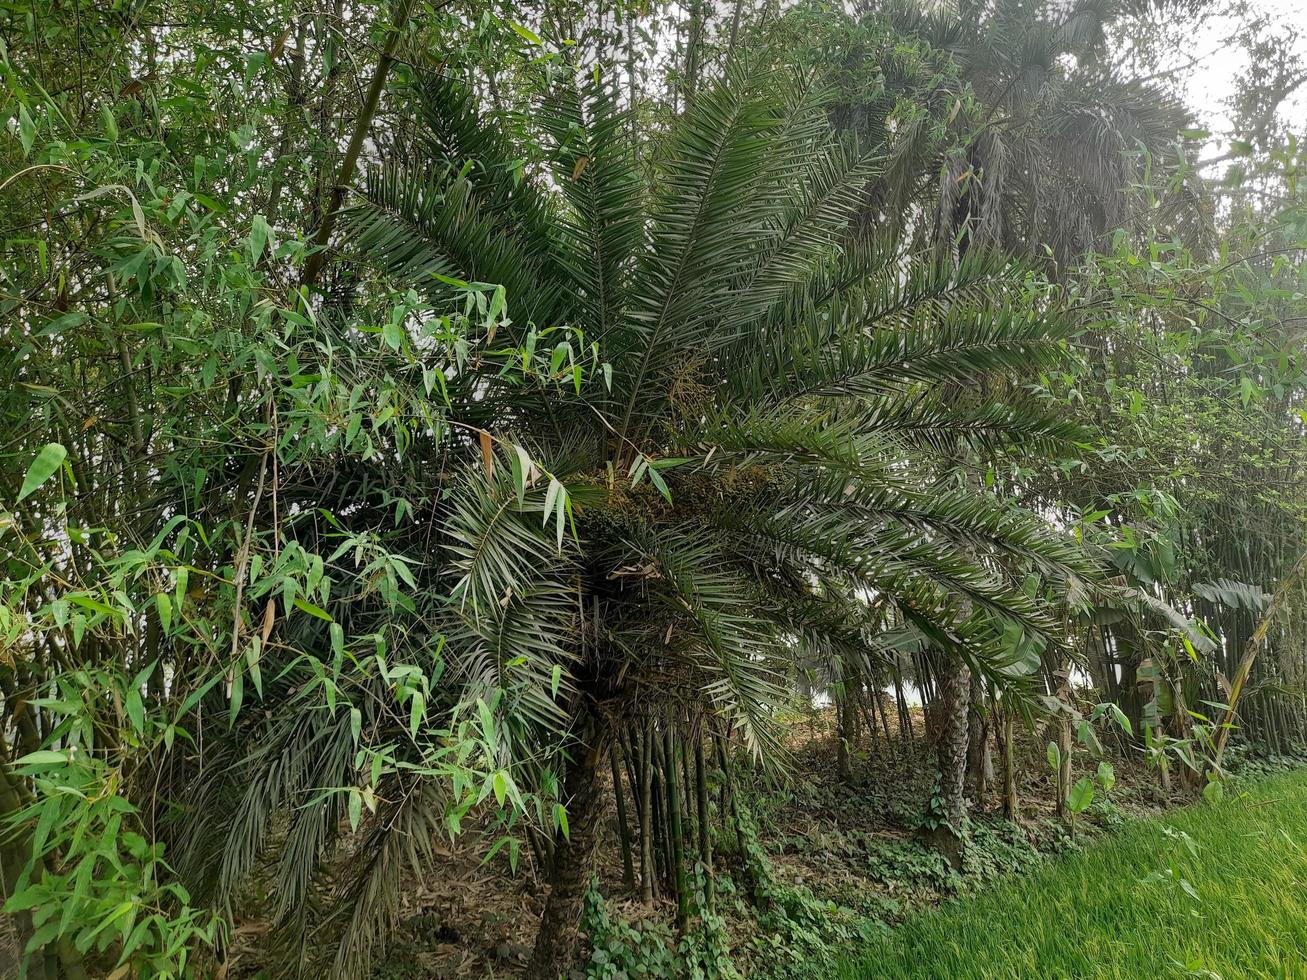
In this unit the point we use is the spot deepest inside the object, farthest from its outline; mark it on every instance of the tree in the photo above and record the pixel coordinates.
(1036, 141)
(765, 450)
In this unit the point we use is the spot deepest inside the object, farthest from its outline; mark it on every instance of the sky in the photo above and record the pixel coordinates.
(1209, 83)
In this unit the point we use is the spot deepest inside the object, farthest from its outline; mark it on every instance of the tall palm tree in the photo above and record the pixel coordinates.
(1056, 138)
(770, 449)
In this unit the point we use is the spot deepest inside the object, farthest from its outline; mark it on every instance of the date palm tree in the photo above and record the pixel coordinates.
(769, 453)
(1047, 159)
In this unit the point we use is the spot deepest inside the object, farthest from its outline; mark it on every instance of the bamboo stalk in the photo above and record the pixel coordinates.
(661, 821)
(689, 808)
(313, 267)
(647, 872)
(1011, 804)
(1250, 654)
(676, 827)
(623, 831)
(705, 831)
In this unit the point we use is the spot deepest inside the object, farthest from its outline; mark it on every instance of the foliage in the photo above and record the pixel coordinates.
(649, 948)
(407, 409)
(94, 878)
(619, 949)
(1059, 919)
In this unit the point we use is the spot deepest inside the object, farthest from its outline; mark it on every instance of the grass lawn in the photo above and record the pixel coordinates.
(1096, 914)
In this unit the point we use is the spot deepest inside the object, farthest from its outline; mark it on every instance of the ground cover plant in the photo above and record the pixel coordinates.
(1203, 891)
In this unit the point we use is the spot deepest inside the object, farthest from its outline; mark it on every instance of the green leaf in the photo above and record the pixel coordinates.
(237, 696)
(26, 129)
(95, 605)
(164, 602)
(1106, 775)
(1214, 791)
(1087, 736)
(417, 708)
(656, 479)
(1082, 794)
(355, 807)
(252, 655)
(521, 465)
(525, 33)
(183, 577)
(217, 207)
(1121, 719)
(109, 123)
(312, 610)
(43, 757)
(487, 725)
(135, 710)
(260, 236)
(47, 461)
(1054, 756)
(560, 818)
(550, 494)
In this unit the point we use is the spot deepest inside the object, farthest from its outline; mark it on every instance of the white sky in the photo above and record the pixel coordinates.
(1210, 82)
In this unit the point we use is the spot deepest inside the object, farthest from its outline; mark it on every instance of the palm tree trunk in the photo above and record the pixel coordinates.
(574, 857)
(954, 701)
(1011, 804)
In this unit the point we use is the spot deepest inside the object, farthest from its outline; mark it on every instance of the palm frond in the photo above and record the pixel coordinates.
(414, 226)
(593, 158)
(965, 346)
(707, 200)
(457, 135)
(398, 842)
(711, 625)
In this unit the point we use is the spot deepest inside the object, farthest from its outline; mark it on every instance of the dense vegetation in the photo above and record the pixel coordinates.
(447, 431)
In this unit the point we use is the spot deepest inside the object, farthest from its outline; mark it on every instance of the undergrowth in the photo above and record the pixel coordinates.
(791, 932)
(1213, 891)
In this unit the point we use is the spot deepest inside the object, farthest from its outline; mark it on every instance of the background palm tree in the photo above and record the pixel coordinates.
(1028, 137)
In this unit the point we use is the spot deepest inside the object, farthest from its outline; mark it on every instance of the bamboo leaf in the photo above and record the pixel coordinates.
(525, 33)
(313, 610)
(44, 466)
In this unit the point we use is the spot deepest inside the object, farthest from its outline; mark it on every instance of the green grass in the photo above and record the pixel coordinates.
(1091, 914)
